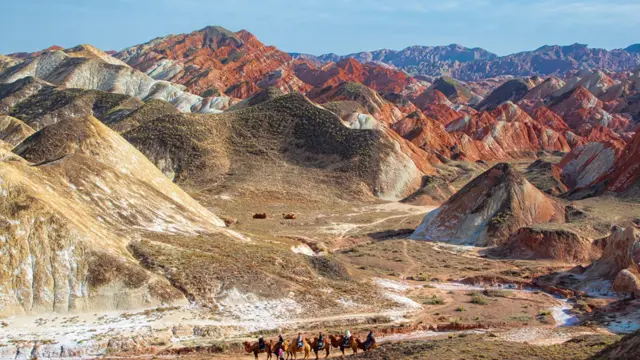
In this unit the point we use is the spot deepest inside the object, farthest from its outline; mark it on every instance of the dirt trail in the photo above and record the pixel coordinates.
(342, 229)
(412, 263)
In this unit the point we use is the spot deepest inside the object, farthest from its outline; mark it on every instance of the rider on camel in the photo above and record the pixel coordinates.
(299, 340)
(347, 338)
(370, 339)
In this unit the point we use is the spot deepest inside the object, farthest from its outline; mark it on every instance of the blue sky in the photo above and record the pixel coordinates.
(320, 26)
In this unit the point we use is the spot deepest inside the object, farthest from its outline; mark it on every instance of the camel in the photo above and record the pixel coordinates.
(255, 348)
(314, 346)
(293, 349)
(338, 342)
(289, 216)
(361, 344)
(260, 216)
(277, 346)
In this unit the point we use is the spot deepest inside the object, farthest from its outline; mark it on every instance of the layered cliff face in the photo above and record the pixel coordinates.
(69, 214)
(489, 209)
(98, 71)
(602, 166)
(536, 243)
(507, 132)
(626, 175)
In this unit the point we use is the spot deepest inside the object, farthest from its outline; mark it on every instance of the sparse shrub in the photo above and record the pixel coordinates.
(479, 299)
(501, 219)
(211, 92)
(497, 293)
(525, 319)
(329, 267)
(460, 309)
(434, 300)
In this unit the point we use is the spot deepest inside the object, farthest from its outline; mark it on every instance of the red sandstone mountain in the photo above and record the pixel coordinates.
(349, 70)
(580, 108)
(215, 60)
(506, 132)
(351, 91)
(212, 59)
(586, 167)
(489, 209)
(425, 133)
(627, 168)
(548, 118)
(436, 105)
(605, 165)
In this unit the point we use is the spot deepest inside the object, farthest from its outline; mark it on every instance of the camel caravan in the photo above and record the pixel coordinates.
(317, 345)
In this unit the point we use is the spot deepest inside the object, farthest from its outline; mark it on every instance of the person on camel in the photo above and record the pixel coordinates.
(320, 341)
(280, 339)
(299, 341)
(347, 338)
(369, 341)
(261, 343)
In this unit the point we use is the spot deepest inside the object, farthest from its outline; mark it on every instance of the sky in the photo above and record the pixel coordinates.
(323, 26)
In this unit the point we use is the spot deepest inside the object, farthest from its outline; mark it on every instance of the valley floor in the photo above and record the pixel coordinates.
(424, 280)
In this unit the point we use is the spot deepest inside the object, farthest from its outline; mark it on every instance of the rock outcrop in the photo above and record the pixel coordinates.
(620, 261)
(534, 243)
(13, 131)
(597, 167)
(489, 209)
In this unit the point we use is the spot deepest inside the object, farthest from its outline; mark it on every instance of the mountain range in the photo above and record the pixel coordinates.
(469, 64)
